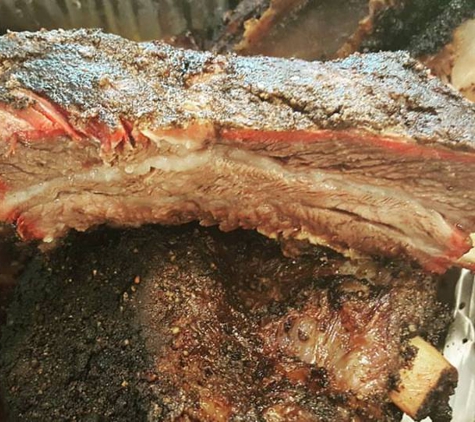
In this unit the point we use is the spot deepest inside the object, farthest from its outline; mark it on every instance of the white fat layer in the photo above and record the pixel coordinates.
(188, 143)
(337, 186)
(95, 176)
(106, 174)
(170, 163)
(323, 190)
(469, 258)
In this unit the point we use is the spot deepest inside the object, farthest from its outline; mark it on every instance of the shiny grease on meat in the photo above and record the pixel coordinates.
(193, 324)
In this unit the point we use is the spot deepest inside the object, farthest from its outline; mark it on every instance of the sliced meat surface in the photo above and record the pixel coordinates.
(187, 324)
(369, 155)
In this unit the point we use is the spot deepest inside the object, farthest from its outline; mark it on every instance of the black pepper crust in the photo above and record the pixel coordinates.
(394, 27)
(435, 405)
(421, 27)
(440, 31)
(131, 325)
(94, 75)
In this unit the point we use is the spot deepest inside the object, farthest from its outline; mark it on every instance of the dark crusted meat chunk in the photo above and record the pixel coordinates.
(447, 46)
(369, 155)
(187, 324)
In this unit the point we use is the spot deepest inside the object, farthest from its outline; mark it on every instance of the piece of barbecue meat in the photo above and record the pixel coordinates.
(441, 34)
(323, 29)
(369, 155)
(306, 29)
(197, 325)
(393, 25)
(447, 46)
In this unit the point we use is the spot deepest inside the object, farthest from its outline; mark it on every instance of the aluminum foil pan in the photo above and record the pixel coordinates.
(459, 349)
(134, 19)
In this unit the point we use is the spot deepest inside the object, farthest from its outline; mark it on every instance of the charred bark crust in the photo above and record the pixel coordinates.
(439, 32)
(84, 334)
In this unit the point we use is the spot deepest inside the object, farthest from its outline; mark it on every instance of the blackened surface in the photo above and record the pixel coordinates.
(435, 406)
(166, 323)
(422, 27)
(395, 27)
(13, 256)
(439, 31)
(76, 369)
